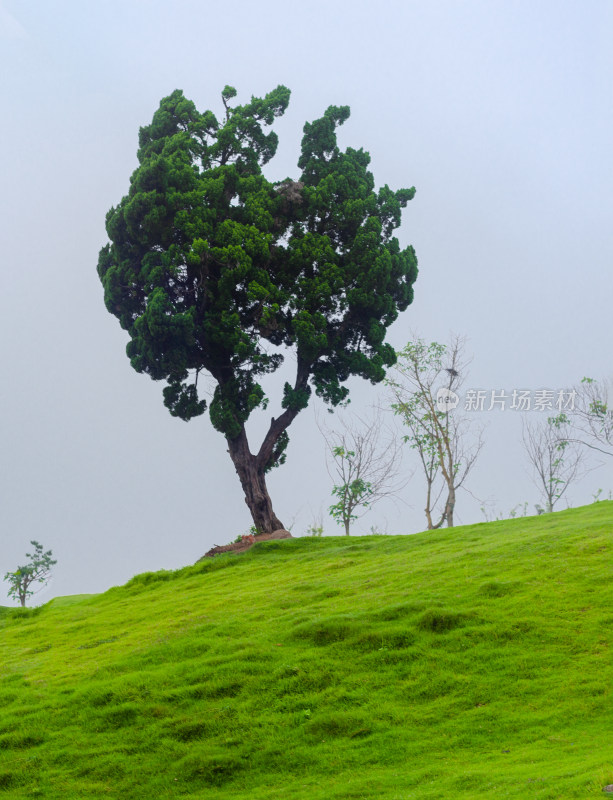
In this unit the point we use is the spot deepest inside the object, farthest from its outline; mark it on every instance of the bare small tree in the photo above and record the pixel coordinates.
(424, 386)
(363, 458)
(555, 457)
(591, 417)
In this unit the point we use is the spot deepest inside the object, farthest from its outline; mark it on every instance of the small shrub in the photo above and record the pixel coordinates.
(315, 530)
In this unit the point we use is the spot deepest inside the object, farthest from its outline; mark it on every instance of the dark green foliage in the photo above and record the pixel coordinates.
(212, 268)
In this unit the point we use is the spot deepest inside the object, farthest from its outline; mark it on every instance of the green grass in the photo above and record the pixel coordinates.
(471, 663)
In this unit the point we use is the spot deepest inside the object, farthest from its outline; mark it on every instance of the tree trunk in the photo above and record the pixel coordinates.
(450, 507)
(427, 509)
(252, 477)
(346, 527)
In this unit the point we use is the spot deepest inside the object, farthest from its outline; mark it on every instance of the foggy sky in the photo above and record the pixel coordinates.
(499, 113)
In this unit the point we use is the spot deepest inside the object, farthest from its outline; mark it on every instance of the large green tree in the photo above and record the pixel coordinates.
(213, 269)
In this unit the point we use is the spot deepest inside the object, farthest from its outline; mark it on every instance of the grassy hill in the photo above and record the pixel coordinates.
(471, 663)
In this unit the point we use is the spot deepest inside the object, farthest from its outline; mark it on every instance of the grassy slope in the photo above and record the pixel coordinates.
(467, 663)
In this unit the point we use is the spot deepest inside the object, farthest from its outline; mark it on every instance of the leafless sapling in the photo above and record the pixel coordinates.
(363, 458)
(424, 385)
(591, 417)
(556, 458)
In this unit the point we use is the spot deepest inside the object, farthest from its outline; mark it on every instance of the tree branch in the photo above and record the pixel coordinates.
(281, 423)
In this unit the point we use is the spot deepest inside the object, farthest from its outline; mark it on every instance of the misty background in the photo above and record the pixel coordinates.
(499, 113)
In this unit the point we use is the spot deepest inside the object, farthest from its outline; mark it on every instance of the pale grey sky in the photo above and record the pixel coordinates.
(501, 115)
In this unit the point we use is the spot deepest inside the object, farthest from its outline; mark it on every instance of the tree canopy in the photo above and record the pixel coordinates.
(211, 268)
(37, 570)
